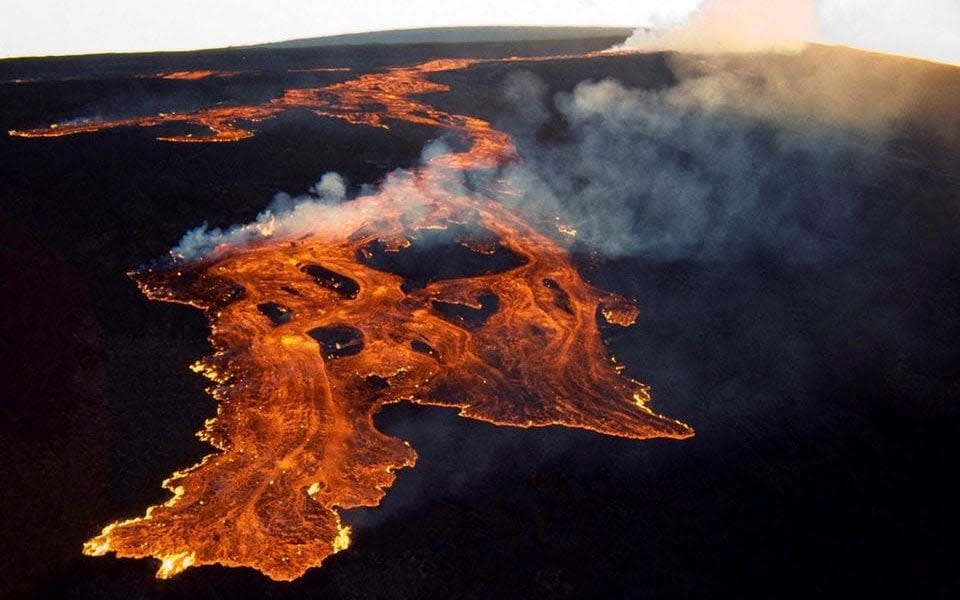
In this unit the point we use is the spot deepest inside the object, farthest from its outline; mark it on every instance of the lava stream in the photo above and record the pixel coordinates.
(314, 333)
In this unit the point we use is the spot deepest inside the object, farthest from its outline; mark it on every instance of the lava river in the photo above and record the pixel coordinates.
(315, 331)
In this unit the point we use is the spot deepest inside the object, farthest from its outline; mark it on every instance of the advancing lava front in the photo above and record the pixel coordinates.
(315, 333)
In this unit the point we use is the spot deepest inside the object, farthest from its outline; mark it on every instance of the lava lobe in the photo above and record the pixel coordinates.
(412, 294)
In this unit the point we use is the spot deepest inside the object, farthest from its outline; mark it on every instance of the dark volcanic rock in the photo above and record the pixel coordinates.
(823, 391)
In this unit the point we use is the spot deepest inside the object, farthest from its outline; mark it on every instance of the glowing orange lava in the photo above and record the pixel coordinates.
(321, 70)
(194, 75)
(368, 100)
(314, 333)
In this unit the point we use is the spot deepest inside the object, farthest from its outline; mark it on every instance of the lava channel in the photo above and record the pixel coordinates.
(314, 333)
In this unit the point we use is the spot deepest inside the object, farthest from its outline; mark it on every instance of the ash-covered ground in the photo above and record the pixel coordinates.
(789, 226)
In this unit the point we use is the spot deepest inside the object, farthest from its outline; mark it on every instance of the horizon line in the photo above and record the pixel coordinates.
(271, 42)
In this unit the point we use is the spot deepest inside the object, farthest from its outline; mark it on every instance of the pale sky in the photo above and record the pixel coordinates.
(928, 28)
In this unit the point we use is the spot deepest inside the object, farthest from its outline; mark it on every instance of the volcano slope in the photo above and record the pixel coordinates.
(805, 337)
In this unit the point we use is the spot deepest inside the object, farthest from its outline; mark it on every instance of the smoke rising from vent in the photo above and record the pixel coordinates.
(736, 26)
(764, 154)
(286, 216)
(929, 30)
(744, 154)
(681, 174)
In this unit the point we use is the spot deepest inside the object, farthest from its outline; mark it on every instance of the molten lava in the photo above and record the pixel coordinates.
(321, 70)
(195, 75)
(414, 294)
(366, 100)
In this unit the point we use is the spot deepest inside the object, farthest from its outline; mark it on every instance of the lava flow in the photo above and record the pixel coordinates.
(195, 75)
(369, 100)
(416, 293)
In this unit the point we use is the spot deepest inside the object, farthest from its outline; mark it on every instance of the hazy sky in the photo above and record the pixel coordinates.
(41, 27)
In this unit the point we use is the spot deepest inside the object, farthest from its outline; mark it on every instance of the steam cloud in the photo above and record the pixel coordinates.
(730, 158)
(743, 154)
(738, 157)
(719, 166)
(286, 216)
(737, 26)
(929, 29)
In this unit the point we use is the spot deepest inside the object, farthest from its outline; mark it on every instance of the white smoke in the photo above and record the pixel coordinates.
(742, 153)
(735, 26)
(928, 29)
(330, 188)
(683, 173)
(286, 216)
(324, 210)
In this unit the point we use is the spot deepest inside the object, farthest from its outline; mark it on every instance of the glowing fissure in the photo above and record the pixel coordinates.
(313, 335)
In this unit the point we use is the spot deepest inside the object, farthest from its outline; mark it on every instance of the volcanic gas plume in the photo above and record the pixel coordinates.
(419, 292)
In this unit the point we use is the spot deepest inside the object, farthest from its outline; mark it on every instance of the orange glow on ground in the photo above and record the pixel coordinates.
(195, 75)
(311, 340)
(350, 101)
(321, 70)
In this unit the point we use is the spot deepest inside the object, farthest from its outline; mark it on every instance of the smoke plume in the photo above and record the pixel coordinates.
(286, 216)
(929, 29)
(736, 26)
(742, 155)
(768, 153)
